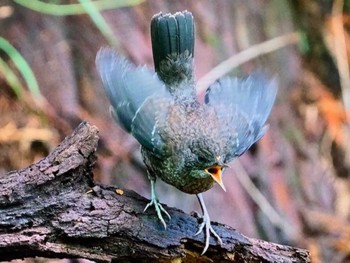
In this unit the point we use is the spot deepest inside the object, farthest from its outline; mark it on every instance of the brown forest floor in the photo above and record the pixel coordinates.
(301, 166)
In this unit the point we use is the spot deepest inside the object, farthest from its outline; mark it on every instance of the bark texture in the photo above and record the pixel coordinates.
(54, 209)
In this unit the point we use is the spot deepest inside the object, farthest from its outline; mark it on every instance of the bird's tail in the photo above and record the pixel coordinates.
(173, 44)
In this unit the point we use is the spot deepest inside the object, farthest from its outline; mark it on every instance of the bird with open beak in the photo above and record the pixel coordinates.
(185, 143)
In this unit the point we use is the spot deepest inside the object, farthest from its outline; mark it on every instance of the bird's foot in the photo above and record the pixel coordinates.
(208, 230)
(158, 207)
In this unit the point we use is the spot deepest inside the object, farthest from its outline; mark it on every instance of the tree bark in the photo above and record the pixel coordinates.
(54, 209)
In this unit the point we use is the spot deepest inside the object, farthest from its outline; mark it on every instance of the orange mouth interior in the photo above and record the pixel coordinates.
(215, 171)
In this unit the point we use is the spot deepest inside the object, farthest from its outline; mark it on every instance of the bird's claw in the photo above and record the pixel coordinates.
(208, 231)
(207, 224)
(159, 209)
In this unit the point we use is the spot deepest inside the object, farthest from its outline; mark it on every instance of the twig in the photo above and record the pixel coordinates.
(260, 199)
(250, 53)
(337, 47)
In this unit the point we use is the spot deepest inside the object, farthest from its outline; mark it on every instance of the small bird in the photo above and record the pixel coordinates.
(185, 143)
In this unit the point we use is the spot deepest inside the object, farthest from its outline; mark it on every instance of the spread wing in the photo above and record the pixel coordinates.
(242, 107)
(138, 98)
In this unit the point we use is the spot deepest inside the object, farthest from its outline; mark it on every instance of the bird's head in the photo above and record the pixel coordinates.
(207, 166)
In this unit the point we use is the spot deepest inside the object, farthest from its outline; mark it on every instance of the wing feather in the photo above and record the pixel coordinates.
(242, 107)
(137, 97)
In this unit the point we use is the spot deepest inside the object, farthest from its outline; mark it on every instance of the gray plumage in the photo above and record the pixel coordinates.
(184, 142)
(178, 135)
(137, 96)
(243, 106)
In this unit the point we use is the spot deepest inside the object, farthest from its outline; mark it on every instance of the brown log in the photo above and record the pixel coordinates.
(54, 209)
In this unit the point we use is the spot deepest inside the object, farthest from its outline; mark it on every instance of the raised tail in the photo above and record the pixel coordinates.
(173, 44)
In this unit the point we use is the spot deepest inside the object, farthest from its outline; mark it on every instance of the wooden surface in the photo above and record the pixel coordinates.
(53, 209)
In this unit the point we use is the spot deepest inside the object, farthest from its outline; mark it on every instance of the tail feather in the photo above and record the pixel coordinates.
(171, 35)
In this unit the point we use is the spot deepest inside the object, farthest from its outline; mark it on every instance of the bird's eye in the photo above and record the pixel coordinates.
(202, 159)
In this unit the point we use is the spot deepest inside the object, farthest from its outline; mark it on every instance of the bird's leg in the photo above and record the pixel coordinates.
(154, 201)
(206, 223)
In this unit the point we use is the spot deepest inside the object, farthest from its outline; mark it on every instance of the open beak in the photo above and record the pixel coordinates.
(216, 171)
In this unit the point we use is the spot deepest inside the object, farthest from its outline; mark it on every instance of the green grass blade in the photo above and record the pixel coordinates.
(11, 78)
(99, 21)
(23, 68)
(74, 9)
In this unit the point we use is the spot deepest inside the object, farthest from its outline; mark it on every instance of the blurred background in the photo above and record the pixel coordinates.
(291, 188)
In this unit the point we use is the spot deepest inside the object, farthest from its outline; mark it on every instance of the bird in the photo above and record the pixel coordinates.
(184, 142)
